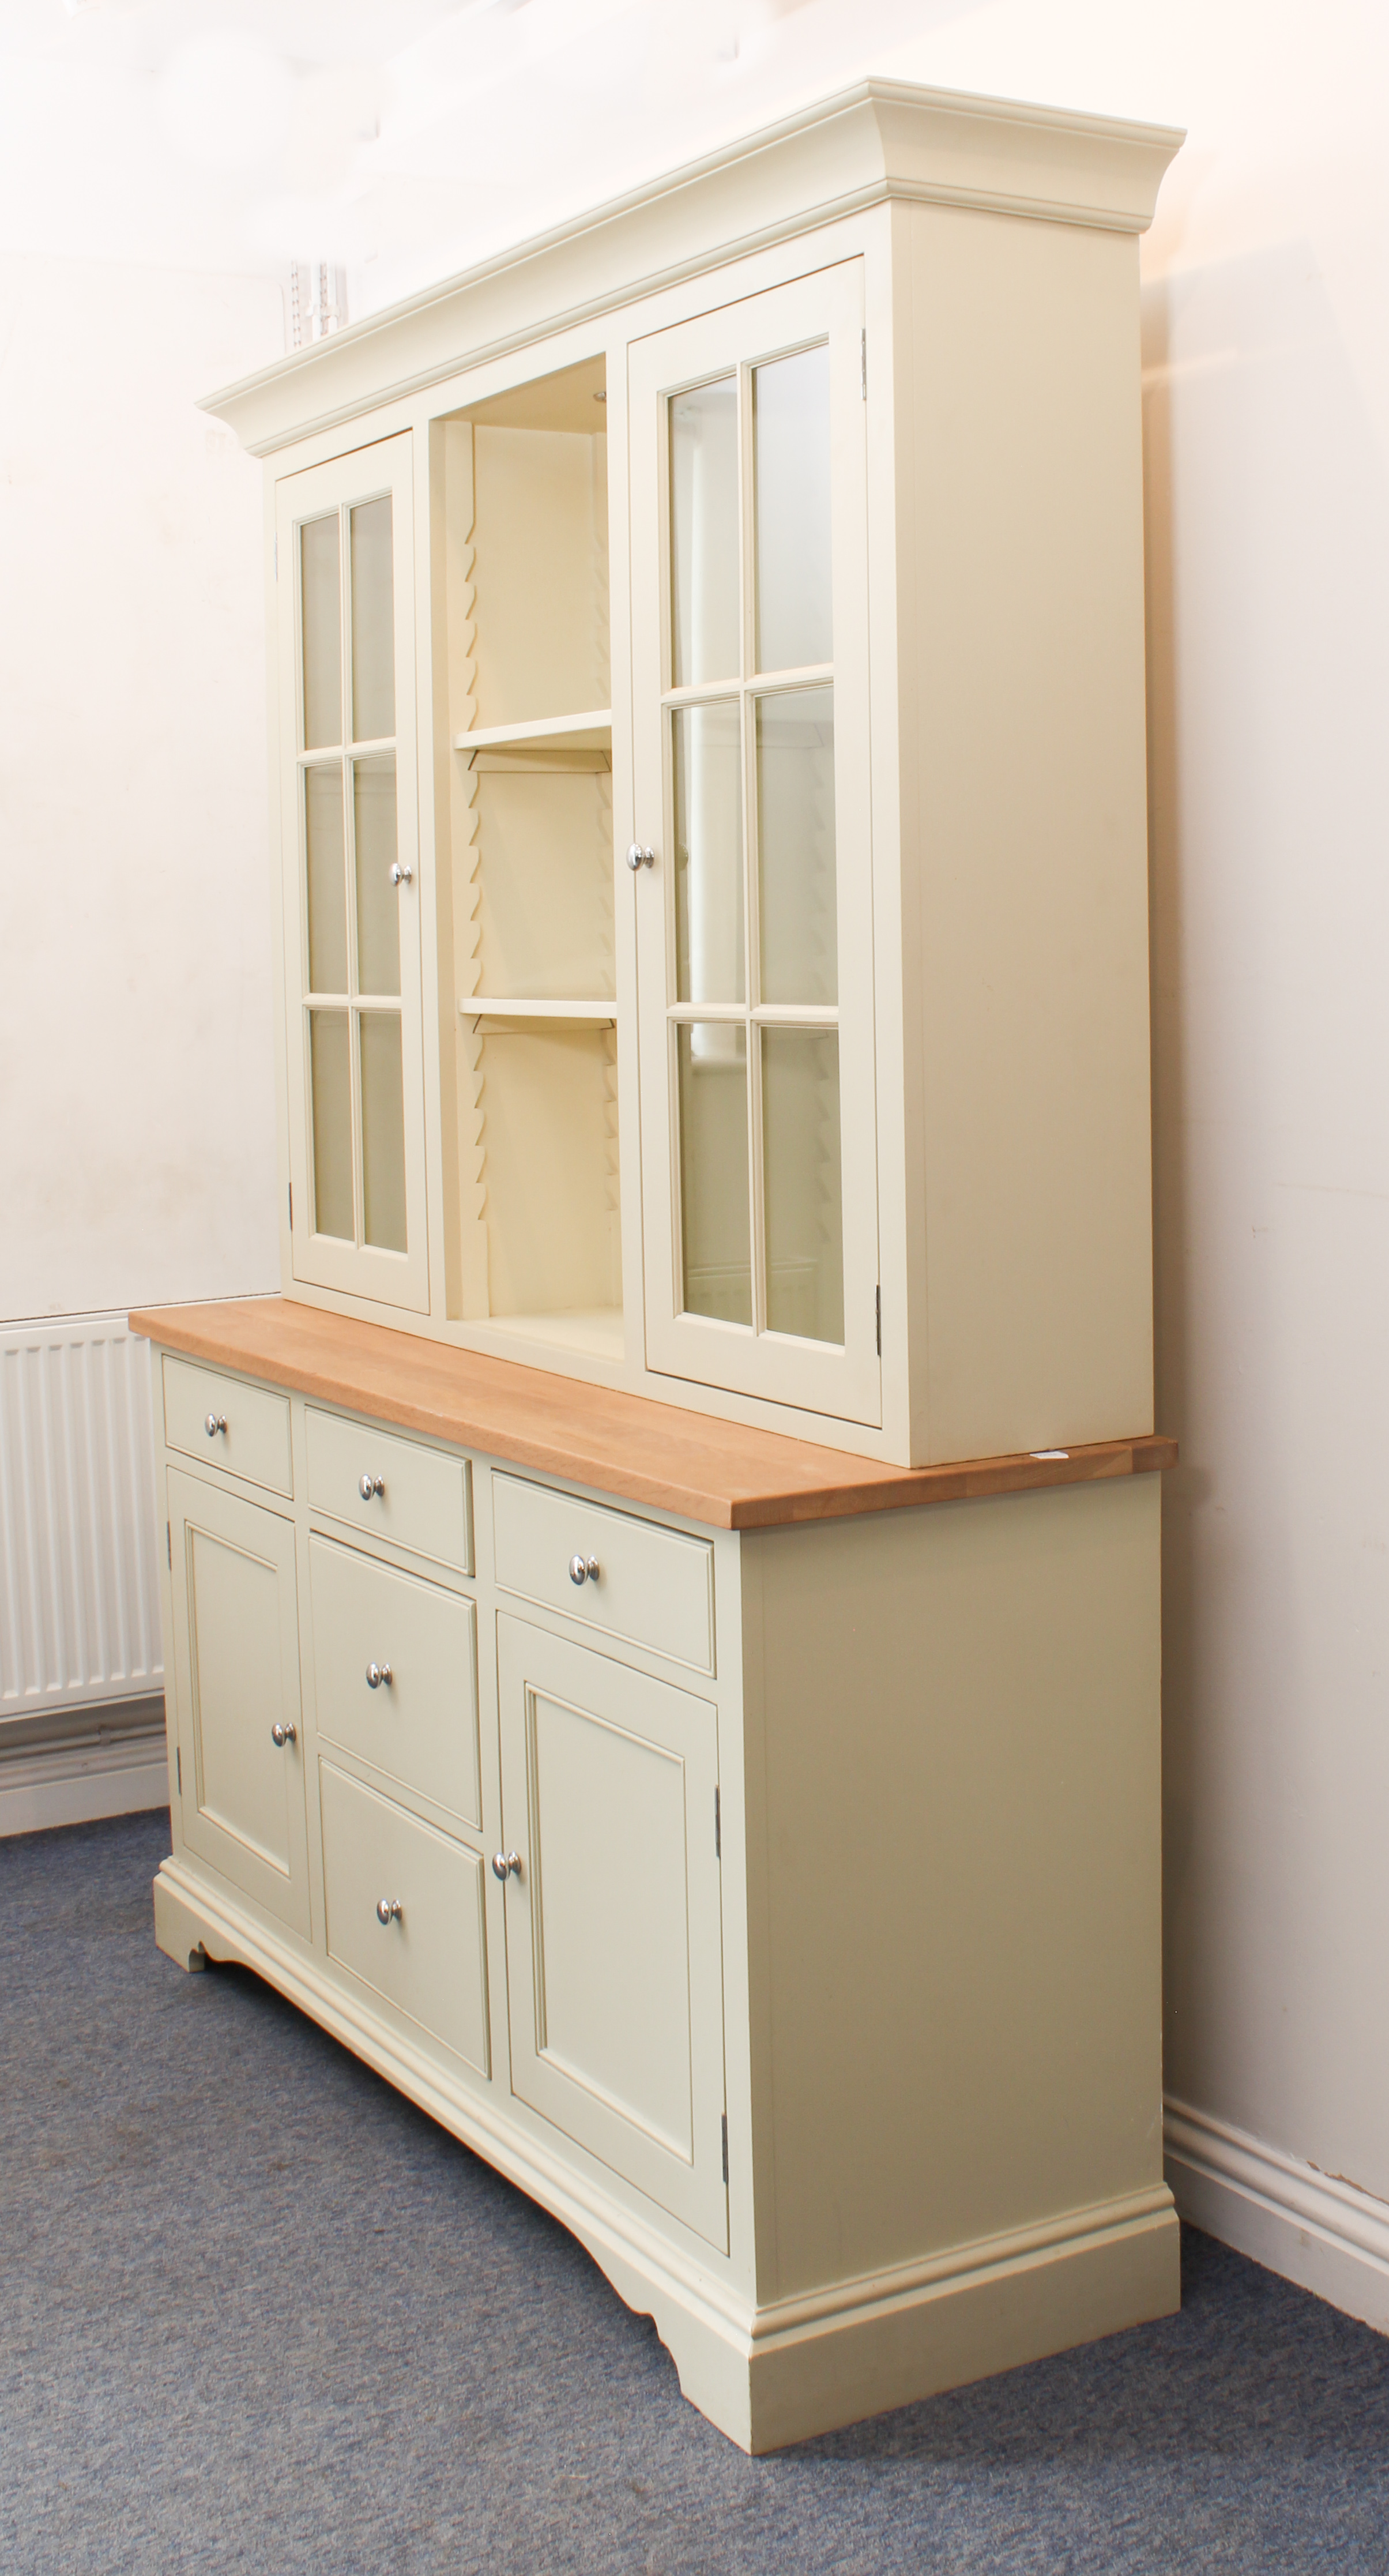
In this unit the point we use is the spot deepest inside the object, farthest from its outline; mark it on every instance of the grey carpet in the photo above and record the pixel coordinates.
(257, 2313)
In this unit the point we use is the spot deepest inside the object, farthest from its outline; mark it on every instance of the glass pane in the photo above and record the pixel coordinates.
(801, 1183)
(791, 442)
(708, 787)
(715, 1228)
(331, 1078)
(325, 852)
(378, 903)
(383, 1132)
(705, 642)
(321, 610)
(798, 917)
(373, 622)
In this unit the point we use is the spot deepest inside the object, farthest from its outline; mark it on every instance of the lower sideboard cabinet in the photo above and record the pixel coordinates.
(776, 1904)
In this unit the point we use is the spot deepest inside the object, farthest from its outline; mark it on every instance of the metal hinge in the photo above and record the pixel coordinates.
(291, 1206)
(878, 1319)
(718, 1829)
(178, 1767)
(725, 2146)
(169, 1544)
(863, 364)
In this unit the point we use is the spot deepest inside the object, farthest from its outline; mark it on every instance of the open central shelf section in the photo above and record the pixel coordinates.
(577, 746)
(520, 495)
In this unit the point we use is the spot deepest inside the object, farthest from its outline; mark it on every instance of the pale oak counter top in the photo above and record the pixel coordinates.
(721, 1473)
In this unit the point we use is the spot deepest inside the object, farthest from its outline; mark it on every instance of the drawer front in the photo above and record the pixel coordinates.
(430, 1959)
(421, 1498)
(250, 1424)
(418, 1719)
(653, 1586)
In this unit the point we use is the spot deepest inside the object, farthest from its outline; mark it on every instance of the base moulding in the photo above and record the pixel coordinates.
(1329, 2236)
(75, 1766)
(765, 2376)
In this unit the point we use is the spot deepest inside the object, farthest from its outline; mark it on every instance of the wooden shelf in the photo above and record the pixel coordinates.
(478, 1007)
(550, 742)
(722, 1473)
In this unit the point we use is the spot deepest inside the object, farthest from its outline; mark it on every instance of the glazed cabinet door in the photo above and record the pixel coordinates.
(350, 841)
(614, 1963)
(753, 859)
(236, 1682)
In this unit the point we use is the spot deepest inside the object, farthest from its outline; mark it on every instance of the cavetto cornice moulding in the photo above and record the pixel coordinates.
(864, 147)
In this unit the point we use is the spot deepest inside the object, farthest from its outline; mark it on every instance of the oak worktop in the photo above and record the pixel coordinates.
(721, 1473)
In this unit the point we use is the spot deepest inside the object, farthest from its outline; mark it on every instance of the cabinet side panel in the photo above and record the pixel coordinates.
(957, 1873)
(1025, 820)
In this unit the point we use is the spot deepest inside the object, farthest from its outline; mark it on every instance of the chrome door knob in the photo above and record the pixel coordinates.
(388, 1909)
(401, 876)
(283, 1735)
(637, 857)
(583, 1569)
(377, 1674)
(370, 1485)
(504, 1863)
(215, 1422)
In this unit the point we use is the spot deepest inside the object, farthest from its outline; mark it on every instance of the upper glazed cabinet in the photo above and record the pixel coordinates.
(712, 799)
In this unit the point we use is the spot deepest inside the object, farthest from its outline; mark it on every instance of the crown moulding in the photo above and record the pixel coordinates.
(881, 140)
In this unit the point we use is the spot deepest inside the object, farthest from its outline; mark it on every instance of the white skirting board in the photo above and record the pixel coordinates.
(1330, 2237)
(74, 1766)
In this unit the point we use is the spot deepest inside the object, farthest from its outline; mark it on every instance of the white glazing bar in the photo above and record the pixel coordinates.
(807, 675)
(688, 1014)
(314, 759)
(360, 1002)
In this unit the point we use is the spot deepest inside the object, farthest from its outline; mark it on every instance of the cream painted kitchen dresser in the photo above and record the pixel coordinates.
(662, 1613)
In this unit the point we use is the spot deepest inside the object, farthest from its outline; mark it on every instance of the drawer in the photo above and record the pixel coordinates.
(654, 1586)
(418, 1720)
(420, 1498)
(430, 1958)
(250, 1424)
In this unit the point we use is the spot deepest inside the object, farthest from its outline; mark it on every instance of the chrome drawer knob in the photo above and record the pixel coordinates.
(370, 1485)
(401, 876)
(637, 857)
(504, 1863)
(283, 1735)
(215, 1422)
(583, 1569)
(377, 1674)
(388, 1909)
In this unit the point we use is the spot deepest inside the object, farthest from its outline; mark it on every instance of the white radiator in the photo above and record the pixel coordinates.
(79, 1595)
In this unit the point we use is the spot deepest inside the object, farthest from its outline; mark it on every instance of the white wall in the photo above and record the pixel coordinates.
(137, 1155)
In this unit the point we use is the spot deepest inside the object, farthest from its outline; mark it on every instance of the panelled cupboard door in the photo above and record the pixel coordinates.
(613, 1918)
(754, 914)
(350, 836)
(236, 1681)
